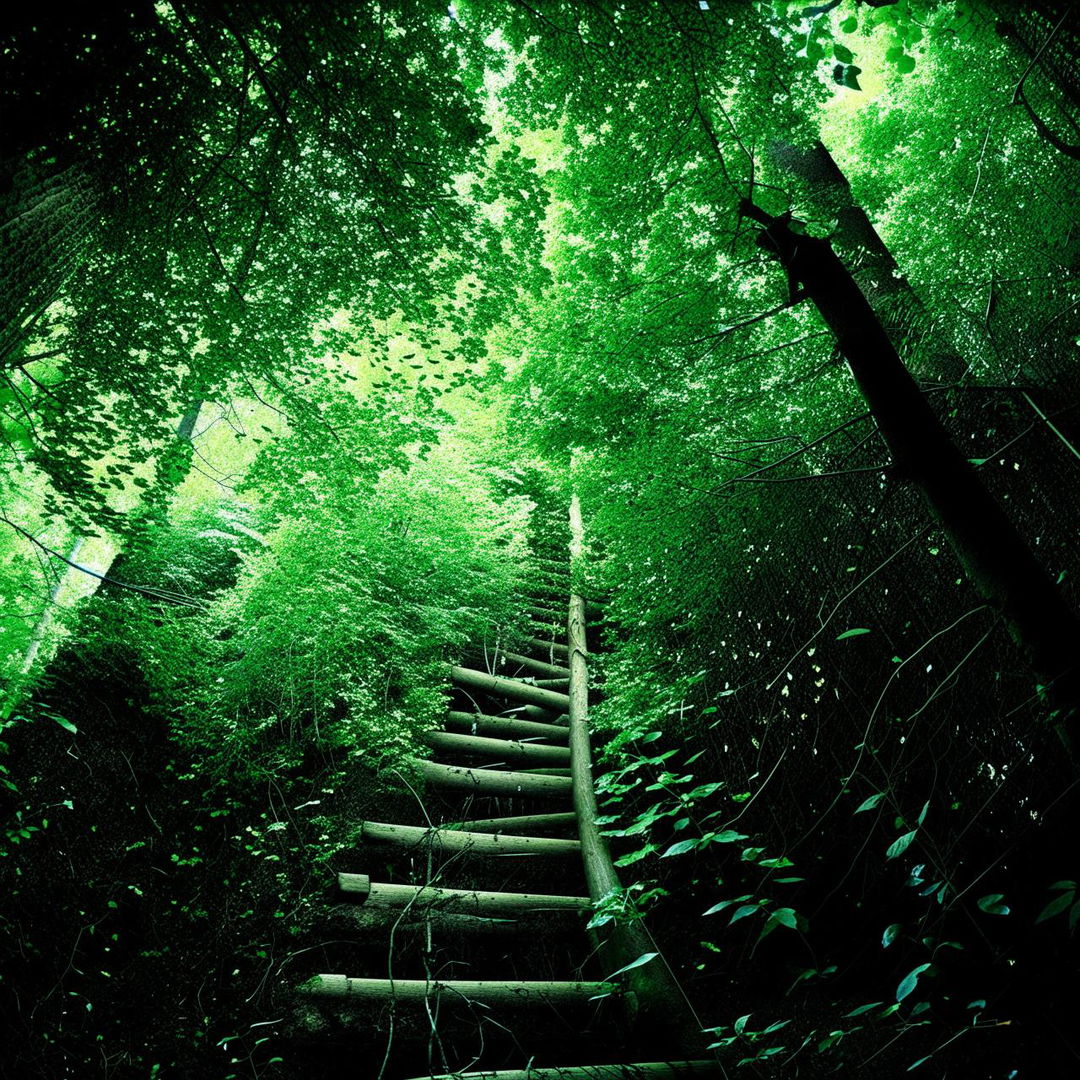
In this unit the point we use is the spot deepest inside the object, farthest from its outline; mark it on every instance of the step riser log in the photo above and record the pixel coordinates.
(493, 782)
(487, 993)
(471, 902)
(540, 714)
(523, 823)
(546, 649)
(509, 688)
(506, 726)
(476, 842)
(508, 662)
(498, 749)
(645, 1070)
(547, 615)
(539, 667)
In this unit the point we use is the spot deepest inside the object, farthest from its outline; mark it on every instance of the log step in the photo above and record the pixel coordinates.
(518, 992)
(503, 749)
(517, 823)
(536, 712)
(509, 688)
(644, 1070)
(509, 726)
(545, 614)
(541, 667)
(562, 685)
(548, 648)
(469, 901)
(492, 781)
(477, 842)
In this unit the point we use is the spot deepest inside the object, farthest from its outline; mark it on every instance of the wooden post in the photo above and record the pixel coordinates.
(664, 1011)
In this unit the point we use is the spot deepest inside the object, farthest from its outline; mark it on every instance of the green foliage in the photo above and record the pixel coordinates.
(333, 635)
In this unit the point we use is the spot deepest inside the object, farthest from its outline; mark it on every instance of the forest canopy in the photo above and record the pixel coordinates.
(315, 318)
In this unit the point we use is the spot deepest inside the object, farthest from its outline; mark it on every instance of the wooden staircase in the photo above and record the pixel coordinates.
(521, 735)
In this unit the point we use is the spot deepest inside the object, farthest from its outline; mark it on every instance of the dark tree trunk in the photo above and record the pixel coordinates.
(857, 242)
(995, 557)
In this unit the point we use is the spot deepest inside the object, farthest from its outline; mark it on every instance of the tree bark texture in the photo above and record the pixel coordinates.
(994, 555)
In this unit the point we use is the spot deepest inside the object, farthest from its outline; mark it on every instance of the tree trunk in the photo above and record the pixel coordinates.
(880, 279)
(995, 557)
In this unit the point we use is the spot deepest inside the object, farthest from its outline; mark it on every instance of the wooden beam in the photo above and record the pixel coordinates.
(509, 726)
(458, 840)
(545, 614)
(470, 901)
(540, 667)
(509, 688)
(645, 1070)
(536, 712)
(663, 1006)
(548, 648)
(501, 749)
(493, 781)
(561, 685)
(518, 823)
(517, 992)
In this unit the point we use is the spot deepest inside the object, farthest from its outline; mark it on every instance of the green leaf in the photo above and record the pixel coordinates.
(906, 64)
(851, 77)
(725, 904)
(785, 916)
(893, 53)
(67, 725)
(870, 803)
(680, 848)
(916, 1064)
(992, 905)
(856, 632)
(728, 836)
(740, 1024)
(862, 1009)
(1074, 916)
(922, 812)
(635, 856)
(900, 844)
(1058, 904)
(843, 53)
(849, 25)
(891, 934)
(641, 961)
(705, 789)
(910, 981)
(742, 912)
